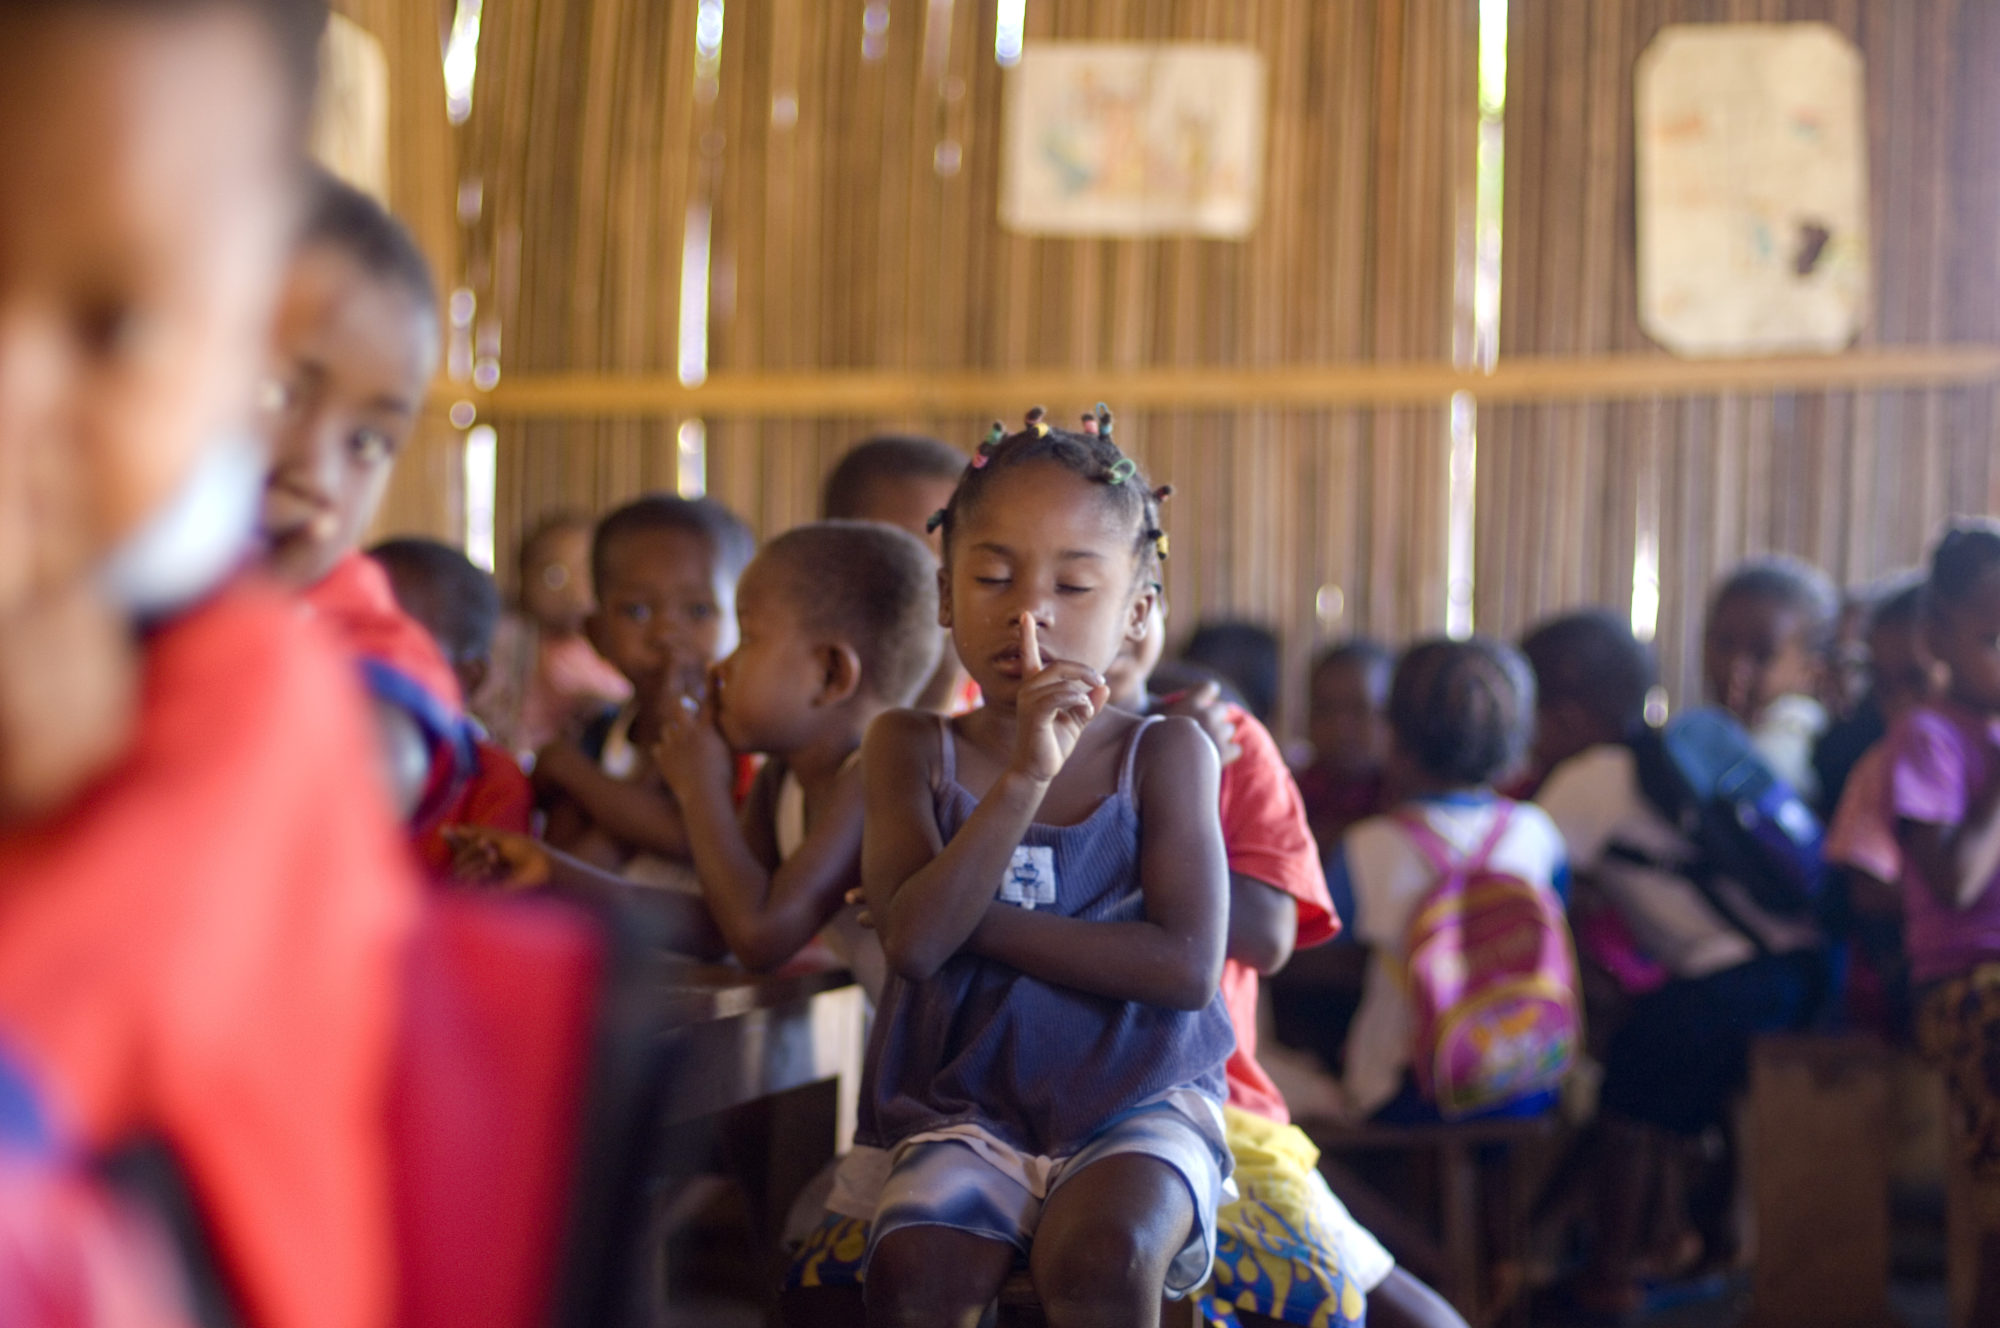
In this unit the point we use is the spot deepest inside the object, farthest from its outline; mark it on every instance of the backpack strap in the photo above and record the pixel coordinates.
(1443, 859)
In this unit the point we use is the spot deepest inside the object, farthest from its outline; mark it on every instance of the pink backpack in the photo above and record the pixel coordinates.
(1491, 974)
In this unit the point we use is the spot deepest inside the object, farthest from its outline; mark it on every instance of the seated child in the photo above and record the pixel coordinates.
(1051, 887)
(838, 624)
(1348, 723)
(1855, 721)
(1704, 987)
(1460, 713)
(206, 895)
(1763, 657)
(1592, 677)
(904, 481)
(1861, 841)
(1944, 789)
(664, 569)
(458, 604)
(356, 345)
(547, 682)
(1287, 1250)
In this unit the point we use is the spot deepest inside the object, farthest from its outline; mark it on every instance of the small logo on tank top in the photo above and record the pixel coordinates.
(1031, 878)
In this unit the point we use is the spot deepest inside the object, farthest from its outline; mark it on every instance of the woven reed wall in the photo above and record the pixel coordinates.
(838, 243)
(425, 497)
(1856, 481)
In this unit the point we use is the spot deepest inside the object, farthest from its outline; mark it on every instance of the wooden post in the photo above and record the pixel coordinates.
(1817, 1155)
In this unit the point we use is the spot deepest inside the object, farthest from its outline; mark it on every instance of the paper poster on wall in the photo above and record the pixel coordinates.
(1110, 138)
(1752, 189)
(350, 128)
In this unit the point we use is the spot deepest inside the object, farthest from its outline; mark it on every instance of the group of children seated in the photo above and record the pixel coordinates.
(237, 752)
(1873, 718)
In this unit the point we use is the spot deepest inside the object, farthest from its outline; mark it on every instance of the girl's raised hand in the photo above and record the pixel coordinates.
(1058, 698)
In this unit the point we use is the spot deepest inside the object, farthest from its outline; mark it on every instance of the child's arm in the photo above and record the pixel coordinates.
(1173, 957)
(766, 915)
(641, 818)
(1948, 815)
(928, 896)
(516, 862)
(1263, 924)
(1958, 862)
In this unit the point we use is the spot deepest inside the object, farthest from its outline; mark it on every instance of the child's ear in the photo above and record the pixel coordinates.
(472, 675)
(840, 673)
(1140, 615)
(944, 598)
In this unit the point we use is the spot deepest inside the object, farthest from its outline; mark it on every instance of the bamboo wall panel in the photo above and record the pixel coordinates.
(854, 208)
(426, 495)
(1858, 481)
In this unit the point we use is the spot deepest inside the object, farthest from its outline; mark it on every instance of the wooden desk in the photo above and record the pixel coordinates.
(763, 1087)
(749, 1036)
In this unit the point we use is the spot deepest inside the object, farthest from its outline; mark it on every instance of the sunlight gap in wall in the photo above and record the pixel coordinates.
(1479, 284)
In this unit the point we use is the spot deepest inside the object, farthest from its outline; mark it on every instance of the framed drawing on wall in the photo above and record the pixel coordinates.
(1752, 189)
(1111, 138)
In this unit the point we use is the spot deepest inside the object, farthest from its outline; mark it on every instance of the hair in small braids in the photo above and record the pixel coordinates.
(1463, 711)
(1088, 451)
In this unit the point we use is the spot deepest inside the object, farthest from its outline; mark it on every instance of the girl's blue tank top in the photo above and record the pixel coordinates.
(1041, 1066)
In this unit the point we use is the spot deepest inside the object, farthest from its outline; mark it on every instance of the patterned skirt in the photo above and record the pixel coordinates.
(1958, 1026)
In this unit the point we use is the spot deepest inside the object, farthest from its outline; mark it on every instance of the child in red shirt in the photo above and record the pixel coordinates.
(356, 341)
(458, 605)
(203, 896)
(1287, 1251)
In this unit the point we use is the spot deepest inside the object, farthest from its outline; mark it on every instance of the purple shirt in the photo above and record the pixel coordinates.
(1940, 758)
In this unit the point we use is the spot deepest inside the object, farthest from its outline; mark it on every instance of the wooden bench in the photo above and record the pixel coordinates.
(1816, 1151)
(1473, 1165)
(1021, 1308)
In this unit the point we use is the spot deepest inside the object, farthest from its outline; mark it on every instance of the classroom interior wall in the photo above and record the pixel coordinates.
(841, 159)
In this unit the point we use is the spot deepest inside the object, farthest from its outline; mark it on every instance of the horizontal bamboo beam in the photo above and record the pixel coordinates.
(1523, 379)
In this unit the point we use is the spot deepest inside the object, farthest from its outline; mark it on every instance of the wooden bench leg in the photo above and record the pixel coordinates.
(1459, 1185)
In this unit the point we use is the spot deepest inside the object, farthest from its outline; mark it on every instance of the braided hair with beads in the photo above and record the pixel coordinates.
(1088, 451)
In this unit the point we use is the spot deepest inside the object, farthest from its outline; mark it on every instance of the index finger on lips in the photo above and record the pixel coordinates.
(1031, 646)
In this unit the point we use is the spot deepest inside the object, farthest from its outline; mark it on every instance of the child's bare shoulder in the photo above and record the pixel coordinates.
(1172, 743)
(902, 737)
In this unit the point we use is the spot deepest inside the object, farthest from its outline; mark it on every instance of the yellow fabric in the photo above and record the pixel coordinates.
(1278, 1247)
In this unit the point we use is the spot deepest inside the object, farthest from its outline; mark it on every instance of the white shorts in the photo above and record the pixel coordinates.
(962, 1177)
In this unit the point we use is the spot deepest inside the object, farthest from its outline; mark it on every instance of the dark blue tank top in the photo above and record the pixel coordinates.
(1041, 1066)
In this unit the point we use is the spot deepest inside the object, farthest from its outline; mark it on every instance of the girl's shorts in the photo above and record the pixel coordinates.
(1958, 1026)
(1285, 1247)
(964, 1178)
